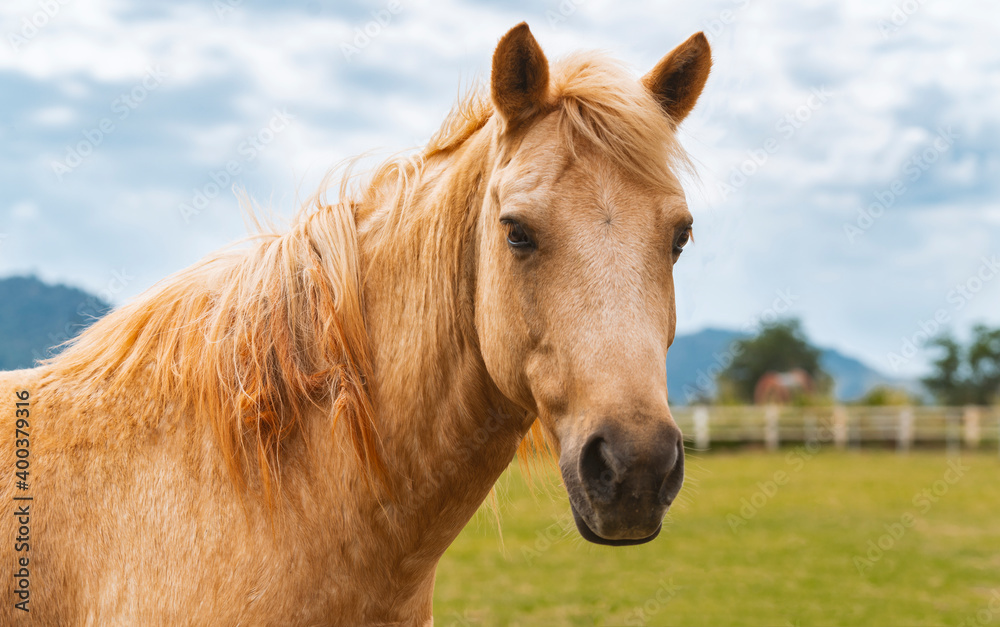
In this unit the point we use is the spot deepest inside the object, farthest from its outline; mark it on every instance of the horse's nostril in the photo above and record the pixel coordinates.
(598, 467)
(675, 477)
(613, 469)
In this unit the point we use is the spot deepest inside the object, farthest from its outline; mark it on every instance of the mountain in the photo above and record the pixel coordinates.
(852, 379)
(35, 316)
(695, 359)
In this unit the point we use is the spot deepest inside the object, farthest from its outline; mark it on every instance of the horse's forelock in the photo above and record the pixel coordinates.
(599, 101)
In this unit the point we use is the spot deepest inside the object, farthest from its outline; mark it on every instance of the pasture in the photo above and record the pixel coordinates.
(788, 558)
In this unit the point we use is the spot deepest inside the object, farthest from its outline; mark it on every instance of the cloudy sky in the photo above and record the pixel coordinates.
(848, 152)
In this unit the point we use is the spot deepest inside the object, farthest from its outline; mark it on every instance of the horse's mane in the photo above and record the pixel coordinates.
(251, 338)
(248, 339)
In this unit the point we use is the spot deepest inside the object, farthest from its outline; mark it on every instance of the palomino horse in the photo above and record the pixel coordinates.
(293, 432)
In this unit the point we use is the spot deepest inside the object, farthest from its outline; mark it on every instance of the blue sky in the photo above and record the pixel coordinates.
(848, 152)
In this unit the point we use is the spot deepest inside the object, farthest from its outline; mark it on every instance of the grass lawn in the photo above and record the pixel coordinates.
(801, 553)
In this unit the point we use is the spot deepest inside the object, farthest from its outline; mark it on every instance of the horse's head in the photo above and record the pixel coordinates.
(581, 226)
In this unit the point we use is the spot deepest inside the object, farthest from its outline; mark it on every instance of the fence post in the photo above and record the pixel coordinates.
(702, 438)
(771, 436)
(970, 427)
(840, 427)
(952, 435)
(811, 431)
(904, 436)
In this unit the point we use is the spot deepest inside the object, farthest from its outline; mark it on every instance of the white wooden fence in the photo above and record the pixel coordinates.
(903, 428)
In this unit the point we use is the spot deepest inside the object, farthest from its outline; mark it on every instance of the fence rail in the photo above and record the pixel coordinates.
(903, 428)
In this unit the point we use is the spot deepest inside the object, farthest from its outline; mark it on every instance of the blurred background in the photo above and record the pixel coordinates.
(837, 365)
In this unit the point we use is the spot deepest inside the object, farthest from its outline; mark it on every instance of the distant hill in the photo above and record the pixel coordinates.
(35, 316)
(695, 359)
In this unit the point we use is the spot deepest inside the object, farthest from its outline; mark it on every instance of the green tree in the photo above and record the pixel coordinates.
(966, 375)
(778, 347)
(888, 395)
(948, 384)
(984, 365)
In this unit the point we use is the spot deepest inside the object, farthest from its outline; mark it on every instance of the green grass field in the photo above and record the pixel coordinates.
(788, 559)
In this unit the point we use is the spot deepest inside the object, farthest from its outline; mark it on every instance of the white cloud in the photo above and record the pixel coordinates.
(24, 211)
(54, 116)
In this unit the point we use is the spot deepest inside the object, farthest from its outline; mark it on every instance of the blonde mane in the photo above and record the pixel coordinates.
(249, 340)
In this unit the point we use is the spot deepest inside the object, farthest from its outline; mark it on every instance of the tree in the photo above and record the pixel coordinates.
(779, 347)
(984, 364)
(947, 384)
(888, 395)
(971, 375)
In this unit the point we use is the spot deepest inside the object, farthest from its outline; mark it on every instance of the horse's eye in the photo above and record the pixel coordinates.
(682, 241)
(517, 237)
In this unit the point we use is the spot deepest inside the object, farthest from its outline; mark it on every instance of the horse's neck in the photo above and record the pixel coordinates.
(447, 430)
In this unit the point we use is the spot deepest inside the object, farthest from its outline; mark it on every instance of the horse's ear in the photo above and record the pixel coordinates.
(520, 80)
(679, 77)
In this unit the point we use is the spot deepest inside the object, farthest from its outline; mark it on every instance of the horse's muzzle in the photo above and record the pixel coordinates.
(621, 483)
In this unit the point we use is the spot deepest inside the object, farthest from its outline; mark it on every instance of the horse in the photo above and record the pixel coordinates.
(292, 431)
